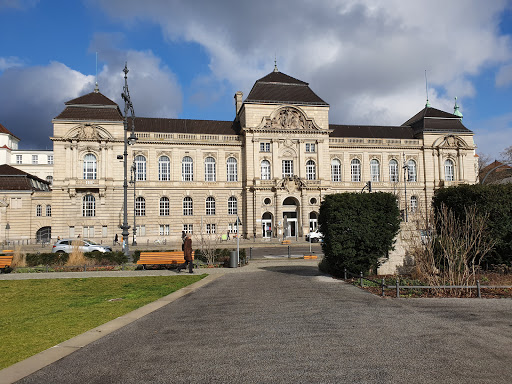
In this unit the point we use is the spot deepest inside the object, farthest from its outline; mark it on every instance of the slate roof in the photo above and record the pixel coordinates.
(372, 131)
(93, 106)
(432, 119)
(214, 127)
(13, 179)
(5, 130)
(93, 98)
(277, 87)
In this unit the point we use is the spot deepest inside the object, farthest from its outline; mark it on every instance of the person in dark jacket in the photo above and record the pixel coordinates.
(187, 253)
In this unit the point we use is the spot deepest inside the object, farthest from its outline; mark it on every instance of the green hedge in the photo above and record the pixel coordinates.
(108, 258)
(358, 229)
(494, 200)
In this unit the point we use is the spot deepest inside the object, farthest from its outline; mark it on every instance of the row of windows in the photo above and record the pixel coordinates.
(265, 147)
(164, 168)
(89, 206)
(35, 159)
(39, 210)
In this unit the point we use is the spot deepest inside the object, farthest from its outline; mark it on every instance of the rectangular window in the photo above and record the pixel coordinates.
(210, 228)
(19, 159)
(264, 147)
(287, 168)
(88, 231)
(310, 147)
(48, 210)
(38, 211)
(188, 228)
(71, 232)
(50, 159)
(164, 230)
(141, 230)
(104, 231)
(35, 159)
(15, 202)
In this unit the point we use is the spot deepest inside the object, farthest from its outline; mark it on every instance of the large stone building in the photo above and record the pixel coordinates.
(270, 166)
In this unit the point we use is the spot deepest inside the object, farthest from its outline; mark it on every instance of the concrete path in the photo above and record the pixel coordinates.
(281, 322)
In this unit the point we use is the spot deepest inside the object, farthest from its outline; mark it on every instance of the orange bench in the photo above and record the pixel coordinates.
(162, 258)
(284, 242)
(5, 261)
(310, 257)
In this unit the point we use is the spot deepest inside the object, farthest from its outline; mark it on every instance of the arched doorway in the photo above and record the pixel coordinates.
(266, 225)
(290, 215)
(44, 235)
(313, 221)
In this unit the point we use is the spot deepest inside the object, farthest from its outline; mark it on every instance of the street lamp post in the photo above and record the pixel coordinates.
(133, 181)
(128, 107)
(406, 175)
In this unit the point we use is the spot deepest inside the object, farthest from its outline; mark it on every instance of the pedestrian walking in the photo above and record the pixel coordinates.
(116, 240)
(187, 253)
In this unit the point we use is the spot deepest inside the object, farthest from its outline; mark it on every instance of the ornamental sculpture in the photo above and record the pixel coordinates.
(288, 118)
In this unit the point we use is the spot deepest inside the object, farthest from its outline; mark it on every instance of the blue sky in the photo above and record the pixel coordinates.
(367, 59)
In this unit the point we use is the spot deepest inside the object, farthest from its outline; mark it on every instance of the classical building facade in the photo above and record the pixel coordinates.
(270, 166)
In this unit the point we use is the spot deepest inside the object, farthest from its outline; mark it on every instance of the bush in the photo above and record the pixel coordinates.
(107, 258)
(492, 200)
(34, 259)
(358, 229)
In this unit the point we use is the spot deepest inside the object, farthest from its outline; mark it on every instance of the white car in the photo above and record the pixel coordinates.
(315, 236)
(85, 245)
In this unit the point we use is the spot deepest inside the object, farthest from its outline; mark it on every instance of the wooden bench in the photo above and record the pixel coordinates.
(5, 261)
(310, 257)
(286, 242)
(162, 258)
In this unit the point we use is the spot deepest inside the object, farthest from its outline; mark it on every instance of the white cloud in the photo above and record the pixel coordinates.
(504, 76)
(18, 4)
(10, 62)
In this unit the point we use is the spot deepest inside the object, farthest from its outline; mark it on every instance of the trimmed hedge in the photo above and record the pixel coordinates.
(108, 258)
(358, 229)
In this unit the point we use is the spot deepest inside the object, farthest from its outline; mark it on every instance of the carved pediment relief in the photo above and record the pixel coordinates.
(291, 184)
(288, 118)
(450, 141)
(88, 132)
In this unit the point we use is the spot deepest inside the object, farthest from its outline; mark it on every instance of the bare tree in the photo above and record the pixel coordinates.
(208, 240)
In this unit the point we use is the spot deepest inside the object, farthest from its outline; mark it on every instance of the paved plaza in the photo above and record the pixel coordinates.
(281, 321)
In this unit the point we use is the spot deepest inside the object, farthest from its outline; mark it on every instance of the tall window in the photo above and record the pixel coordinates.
(414, 204)
(411, 166)
(232, 206)
(448, 170)
(39, 210)
(209, 169)
(232, 169)
(265, 170)
(90, 167)
(310, 147)
(211, 228)
(164, 230)
(188, 208)
(89, 206)
(393, 171)
(164, 168)
(310, 170)
(19, 159)
(140, 167)
(48, 210)
(50, 159)
(164, 206)
(375, 170)
(140, 206)
(264, 147)
(210, 205)
(187, 169)
(335, 170)
(355, 170)
(35, 159)
(287, 168)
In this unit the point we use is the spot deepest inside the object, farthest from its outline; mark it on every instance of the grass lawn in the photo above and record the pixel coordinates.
(38, 314)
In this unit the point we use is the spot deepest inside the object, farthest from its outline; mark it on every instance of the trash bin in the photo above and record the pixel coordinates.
(233, 259)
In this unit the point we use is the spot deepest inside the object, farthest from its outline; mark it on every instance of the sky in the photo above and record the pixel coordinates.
(373, 61)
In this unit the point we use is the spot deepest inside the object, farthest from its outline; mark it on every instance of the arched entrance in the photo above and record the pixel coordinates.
(44, 235)
(313, 221)
(266, 225)
(290, 215)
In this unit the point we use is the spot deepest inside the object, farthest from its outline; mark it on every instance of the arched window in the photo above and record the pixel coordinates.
(187, 169)
(232, 206)
(355, 170)
(140, 167)
(210, 205)
(393, 171)
(164, 168)
(39, 210)
(232, 169)
(449, 174)
(335, 170)
(209, 169)
(164, 206)
(265, 170)
(310, 170)
(375, 170)
(188, 206)
(414, 204)
(90, 167)
(411, 166)
(49, 210)
(89, 206)
(140, 206)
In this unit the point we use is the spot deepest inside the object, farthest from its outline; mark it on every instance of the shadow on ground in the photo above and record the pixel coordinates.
(298, 270)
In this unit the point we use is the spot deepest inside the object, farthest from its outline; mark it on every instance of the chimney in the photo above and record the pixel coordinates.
(238, 101)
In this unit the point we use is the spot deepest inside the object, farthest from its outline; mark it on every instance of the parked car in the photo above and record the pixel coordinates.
(315, 236)
(85, 245)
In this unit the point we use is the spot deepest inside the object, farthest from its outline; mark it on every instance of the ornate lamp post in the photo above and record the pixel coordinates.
(128, 106)
(406, 176)
(133, 181)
